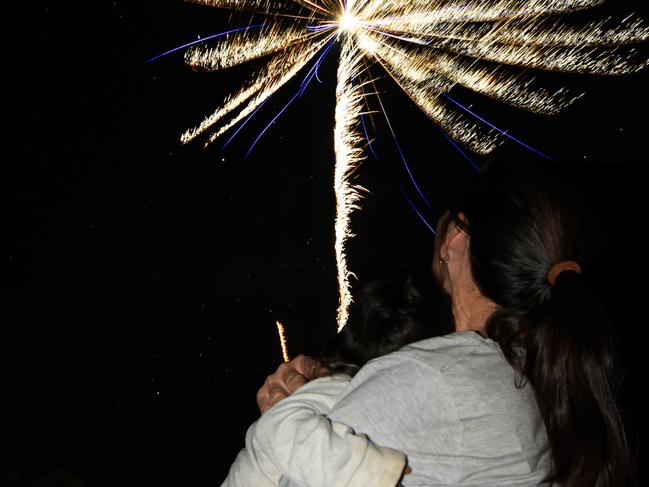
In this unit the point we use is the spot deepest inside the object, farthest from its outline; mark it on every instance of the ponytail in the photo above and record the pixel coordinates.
(522, 220)
(564, 348)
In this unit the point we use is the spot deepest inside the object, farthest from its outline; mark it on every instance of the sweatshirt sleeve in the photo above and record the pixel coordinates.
(300, 442)
(258, 465)
(251, 470)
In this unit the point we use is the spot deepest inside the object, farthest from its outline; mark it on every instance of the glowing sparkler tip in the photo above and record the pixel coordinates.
(282, 340)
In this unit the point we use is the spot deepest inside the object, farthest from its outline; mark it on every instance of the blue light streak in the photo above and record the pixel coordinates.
(459, 149)
(310, 75)
(314, 68)
(239, 29)
(412, 205)
(318, 28)
(497, 129)
(367, 137)
(244, 123)
(401, 155)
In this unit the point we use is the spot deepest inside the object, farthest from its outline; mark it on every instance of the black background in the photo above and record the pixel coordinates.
(145, 277)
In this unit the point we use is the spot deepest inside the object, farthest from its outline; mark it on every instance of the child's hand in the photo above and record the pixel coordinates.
(288, 378)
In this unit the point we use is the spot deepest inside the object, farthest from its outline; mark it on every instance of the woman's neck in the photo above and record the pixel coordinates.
(471, 310)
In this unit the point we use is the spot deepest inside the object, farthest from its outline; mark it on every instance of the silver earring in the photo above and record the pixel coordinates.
(443, 261)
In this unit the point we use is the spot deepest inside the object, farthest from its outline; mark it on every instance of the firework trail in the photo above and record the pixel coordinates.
(428, 47)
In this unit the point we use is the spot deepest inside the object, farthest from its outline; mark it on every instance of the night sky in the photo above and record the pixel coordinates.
(144, 277)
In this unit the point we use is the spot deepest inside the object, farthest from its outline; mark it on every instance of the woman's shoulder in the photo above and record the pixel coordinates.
(461, 357)
(456, 342)
(442, 353)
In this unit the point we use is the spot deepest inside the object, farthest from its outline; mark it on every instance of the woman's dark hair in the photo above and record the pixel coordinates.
(389, 312)
(522, 219)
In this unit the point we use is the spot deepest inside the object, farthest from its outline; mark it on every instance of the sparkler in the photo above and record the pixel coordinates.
(282, 341)
(427, 47)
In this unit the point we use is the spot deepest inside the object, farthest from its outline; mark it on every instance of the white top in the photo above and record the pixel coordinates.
(290, 437)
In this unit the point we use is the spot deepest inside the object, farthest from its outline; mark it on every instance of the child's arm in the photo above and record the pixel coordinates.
(249, 470)
(300, 442)
(267, 450)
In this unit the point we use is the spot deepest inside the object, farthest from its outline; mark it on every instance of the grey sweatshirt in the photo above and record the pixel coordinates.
(450, 404)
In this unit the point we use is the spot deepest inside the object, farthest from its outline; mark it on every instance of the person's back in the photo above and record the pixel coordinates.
(473, 425)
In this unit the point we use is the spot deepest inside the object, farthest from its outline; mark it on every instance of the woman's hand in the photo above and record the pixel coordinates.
(287, 379)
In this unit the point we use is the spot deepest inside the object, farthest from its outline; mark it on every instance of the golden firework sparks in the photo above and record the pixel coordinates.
(428, 47)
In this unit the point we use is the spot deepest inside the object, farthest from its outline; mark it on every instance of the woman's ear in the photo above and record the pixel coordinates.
(456, 240)
(451, 242)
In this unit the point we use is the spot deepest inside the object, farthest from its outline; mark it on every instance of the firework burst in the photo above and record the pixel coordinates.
(427, 47)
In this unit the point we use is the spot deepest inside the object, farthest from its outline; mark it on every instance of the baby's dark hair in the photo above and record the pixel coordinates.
(389, 312)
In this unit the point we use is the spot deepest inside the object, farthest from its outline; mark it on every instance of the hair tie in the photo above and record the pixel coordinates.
(559, 267)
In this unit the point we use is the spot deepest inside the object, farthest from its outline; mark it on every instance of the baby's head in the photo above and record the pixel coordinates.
(389, 312)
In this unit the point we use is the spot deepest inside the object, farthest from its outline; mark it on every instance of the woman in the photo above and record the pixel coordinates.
(522, 393)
